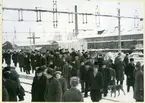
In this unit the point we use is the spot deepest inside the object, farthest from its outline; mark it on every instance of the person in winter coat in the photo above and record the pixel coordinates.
(38, 59)
(43, 60)
(139, 83)
(33, 61)
(82, 76)
(15, 58)
(126, 60)
(119, 71)
(21, 61)
(27, 66)
(77, 64)
(5, 95)
(11, 87)
(53, 91)
(86, 78)
(106, 78)
(61, 80)
(66, 72)
(112, 75)
(38, 86)
(129, 73)
(73, 94)
(8, 58)
(15, 77)
(96, 84)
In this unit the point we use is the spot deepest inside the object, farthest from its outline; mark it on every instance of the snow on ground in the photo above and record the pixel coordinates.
(122, 98)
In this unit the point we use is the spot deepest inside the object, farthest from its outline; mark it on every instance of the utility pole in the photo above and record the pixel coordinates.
(119, 29)
(14, 36)
(33, 38)
(30, 36)
(76, 21)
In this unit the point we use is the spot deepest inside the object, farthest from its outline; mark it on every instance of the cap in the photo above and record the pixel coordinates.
(50, 71)
(57, 72)
(39, 70)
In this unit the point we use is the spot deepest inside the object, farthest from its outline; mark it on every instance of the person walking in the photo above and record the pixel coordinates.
(139, 83)
(53, 91)
(61, 80)
(129, 73)
(96, 84)
(38, 86)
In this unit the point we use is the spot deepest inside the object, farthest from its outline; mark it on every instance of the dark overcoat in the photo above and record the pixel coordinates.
(8, 58)
(27, 63)
(15, 57)
(38, 89)
(63, 84)
(5, 95)
(129, 73)
(12, 89)
(139, 85)
(21, 60)
(53, 91)
(119, 70)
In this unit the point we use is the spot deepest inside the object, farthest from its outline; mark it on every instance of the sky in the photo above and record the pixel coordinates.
(64, 28)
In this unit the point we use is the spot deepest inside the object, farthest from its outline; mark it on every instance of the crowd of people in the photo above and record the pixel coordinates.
(59, 72)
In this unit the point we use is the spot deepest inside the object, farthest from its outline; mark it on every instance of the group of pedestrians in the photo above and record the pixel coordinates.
(59, 72)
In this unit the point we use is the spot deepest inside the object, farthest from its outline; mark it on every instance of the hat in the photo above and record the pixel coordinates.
(7, 68)
(50, 71)
(57, 72)
(131, 59)
(39, 70)
(138, 65)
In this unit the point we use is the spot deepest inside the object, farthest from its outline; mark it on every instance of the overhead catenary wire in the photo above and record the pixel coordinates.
(65, 12)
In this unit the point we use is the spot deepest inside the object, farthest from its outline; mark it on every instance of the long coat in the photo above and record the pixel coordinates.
(38, 89)
(139, 85)
(53, 91)
(21, 60)
(12, 89)
(27, 63)
(72, 95)
(63, 84)
(8, 58)
(106, 76)
(129, 72)
(43, 61)
(113, 76)
(119, 70)
(38, 60)
(5, 95)
(96, 82)
(15, 57)
(33, 60)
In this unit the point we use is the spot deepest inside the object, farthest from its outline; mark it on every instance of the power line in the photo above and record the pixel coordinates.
(65, 12)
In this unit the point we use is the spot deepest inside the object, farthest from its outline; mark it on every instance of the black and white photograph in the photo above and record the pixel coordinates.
(72, 51)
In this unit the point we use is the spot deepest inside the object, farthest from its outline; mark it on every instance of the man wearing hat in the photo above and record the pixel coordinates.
(129, 73)
(38, 86)
(61, 80)
(73, 94)
(53, 91)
